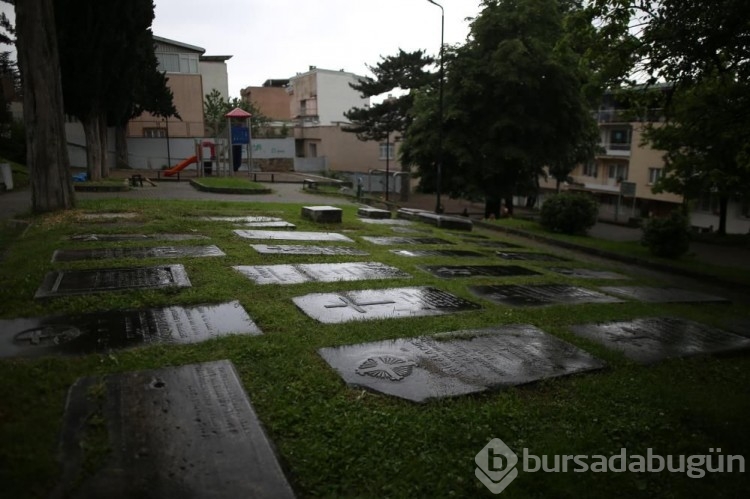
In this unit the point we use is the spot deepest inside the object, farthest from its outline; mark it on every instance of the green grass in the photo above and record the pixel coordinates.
(339, 441)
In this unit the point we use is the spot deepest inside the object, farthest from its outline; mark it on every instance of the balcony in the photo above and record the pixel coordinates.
(620, 150)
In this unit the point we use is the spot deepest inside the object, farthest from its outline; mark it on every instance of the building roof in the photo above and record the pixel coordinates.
(175, 43)
(214, 58)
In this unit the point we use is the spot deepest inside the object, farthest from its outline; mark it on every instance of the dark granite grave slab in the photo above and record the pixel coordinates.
(72, 255)
(477, 270)
(588, 273)
(370, 212)
(322, 214)
(458, 363)
(495, 244)
(271, 225)
(540, 294)
(385, 241)
(249, 219)
(77, 282)
(282, 235)
(409, 213)
(135, 237)
(652, 339)
(300, 249)
(449, 253)
(438, 220)
(333, 308)
(319, 272)
(104, 331)
(530, 257)
(388, 221)
(176, 432)
(662, 295)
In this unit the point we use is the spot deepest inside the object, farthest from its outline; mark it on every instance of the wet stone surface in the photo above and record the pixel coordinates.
(588, 273)
(319, 272)
(477, 270)
(332, 308)
(662, 295)
(322, 214)
(283, 235)
(301, 249)
(540, 295)
(385, 241)
(369, 212)
(135, 237)
(72, 255)
(175, 432)
(652, 339)
(458, 363)
(448, 253)
(76, 282)
(530, 257)
(271, 225)
(104, 331)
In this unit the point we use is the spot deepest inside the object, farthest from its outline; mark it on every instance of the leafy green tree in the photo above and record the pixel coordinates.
(215, 107)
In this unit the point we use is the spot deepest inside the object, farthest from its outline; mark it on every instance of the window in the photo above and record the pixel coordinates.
(313, 150)
(387, 149)
(155, 133)
(178, 63)
(619, 172)
(619, 139)
(653, 175)
(590, 169)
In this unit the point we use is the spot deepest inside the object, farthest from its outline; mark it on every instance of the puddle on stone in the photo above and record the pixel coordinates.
(319, 272)
(450, 253)
(652, 339)
(301, 249)
(73, 255)
(332, 308)
(530, 257)
(540, 295)
(588, 273)
(394, 240)
(101, 332)
(663, 295)
(449, 271)
(282, 235)
(458, 363)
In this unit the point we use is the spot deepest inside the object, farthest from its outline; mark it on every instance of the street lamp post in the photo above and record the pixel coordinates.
(387, 160)
(438, 207)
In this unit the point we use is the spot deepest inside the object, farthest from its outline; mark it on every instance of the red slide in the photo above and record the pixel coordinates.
(180, 166)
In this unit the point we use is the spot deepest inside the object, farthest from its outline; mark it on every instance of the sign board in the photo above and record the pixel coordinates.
(240, 134)
(627, 189)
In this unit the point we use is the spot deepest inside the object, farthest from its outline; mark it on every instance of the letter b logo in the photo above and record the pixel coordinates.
(496, 466)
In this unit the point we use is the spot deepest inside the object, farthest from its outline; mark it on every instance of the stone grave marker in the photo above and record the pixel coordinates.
(370, 212)
(271, 225)
(135, 237)
(319, 272)
(438, 252)
(530, 257)
(387, 221)
(106, 217)
(77, 282)
(458, 363)
(651, 339)
(333, 308)
(392, 240)
(187, 431)
(540, 295)
(581, 273)
(448, 271)
(301, 249)
(73, 255)
(663, 295)
(408, 230)
(100, 332)
(322, 214)
(495, 244)
(248, 219)
(284, 235)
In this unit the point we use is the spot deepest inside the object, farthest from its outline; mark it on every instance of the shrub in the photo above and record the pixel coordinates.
(569, 213)
(668, 237)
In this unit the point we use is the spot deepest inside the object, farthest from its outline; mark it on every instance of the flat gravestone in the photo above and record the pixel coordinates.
(652, 339)
(540, 294)
(72, 255)
(449, 253)
(135, 237)
(77, 282)
(663, 295)
(319, 272)
(249, 219)
(322, 214)
(408, 230)
(588, 273)
(393, 221)
(106, 217)
(446, 221)
(285, 235)
(369, 212)
(187, 431)
(477, 270)
(271, 225)
(333, 308)
(458, 363)
(530, 257)
(301, 249)
(104, 331)
(495, 244)
(404, 240)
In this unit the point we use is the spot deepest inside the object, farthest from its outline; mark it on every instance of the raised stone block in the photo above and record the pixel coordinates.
(370, 212)
(319, 272)
(187, 431)
(322, 214)
(458, 363)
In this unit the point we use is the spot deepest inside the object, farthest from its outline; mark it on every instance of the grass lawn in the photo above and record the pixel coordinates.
(338, 441)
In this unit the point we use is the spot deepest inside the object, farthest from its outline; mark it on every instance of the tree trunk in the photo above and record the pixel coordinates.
(723, 204)
(509, 206)
(47, 150)
(121, 147)
(91, 129)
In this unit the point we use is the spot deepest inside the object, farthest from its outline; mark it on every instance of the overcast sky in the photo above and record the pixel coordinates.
(279, 38)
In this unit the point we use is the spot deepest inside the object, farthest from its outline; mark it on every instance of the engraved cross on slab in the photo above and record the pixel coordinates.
(348, 303)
